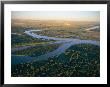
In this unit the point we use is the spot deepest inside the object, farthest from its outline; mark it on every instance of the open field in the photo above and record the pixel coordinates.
(24, 40)
(37, 50)
(63, 29)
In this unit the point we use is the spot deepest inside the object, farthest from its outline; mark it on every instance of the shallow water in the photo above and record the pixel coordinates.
(66, 43)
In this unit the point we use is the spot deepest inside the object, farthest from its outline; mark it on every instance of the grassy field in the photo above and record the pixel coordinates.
(79, 34)
(63, 29)
(25, 40)
(37, 50)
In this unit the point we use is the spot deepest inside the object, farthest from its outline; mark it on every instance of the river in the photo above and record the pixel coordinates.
(66, 43)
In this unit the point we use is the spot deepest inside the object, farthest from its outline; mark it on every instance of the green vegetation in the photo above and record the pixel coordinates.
(65, 33)
(61, 29)
(24, 40)
(37, 50)
(81, 60)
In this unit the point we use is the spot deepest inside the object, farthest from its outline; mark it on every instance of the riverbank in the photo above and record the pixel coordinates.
(66, 43)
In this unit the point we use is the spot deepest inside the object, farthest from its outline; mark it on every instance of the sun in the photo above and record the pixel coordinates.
(67, 24)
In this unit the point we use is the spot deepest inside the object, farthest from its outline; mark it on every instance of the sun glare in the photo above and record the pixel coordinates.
(67, 24)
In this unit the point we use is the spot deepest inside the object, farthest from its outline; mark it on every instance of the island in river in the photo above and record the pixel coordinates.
(55, 49)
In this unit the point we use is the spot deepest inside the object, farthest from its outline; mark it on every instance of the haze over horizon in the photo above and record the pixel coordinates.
(57, 15)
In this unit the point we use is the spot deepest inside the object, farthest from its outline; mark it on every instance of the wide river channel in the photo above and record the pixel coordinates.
(66, 43)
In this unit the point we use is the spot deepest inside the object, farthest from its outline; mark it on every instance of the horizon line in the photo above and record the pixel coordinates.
(54, 20)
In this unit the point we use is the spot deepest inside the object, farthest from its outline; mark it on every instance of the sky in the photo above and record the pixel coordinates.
(57, 15)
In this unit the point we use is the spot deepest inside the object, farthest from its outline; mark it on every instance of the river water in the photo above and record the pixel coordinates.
(66, 43)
